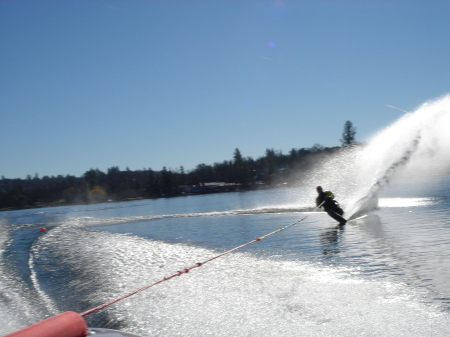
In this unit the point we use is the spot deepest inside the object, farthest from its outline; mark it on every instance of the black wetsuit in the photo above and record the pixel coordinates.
(331, 207)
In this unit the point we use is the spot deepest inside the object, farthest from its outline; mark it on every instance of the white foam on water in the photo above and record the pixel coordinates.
(239, 294)
(18, 305)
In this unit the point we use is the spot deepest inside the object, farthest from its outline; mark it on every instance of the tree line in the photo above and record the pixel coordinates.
(238, 173)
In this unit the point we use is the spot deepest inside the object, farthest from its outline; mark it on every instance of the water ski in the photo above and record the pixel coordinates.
(342, 220)
(336, 216)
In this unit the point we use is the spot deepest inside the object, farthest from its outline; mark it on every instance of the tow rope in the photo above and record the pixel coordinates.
(198, 264)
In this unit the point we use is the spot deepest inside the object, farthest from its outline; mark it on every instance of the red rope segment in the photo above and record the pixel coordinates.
(186, 270)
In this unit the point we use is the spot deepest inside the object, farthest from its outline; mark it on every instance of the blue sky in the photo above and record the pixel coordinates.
(148, 84)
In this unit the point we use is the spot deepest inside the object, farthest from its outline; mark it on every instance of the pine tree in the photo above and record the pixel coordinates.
(348, 136)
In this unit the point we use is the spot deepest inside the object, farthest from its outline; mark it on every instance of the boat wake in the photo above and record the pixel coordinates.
(241, 295)
(90, 221)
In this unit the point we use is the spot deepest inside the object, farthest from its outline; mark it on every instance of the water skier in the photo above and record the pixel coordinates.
(330, 205)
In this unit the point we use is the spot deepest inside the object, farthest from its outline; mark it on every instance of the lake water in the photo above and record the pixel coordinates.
(386, 274)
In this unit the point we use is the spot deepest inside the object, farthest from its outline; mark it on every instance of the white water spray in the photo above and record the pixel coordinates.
(418, 144)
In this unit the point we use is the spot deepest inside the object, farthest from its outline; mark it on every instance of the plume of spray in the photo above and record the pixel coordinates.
(417, 144)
